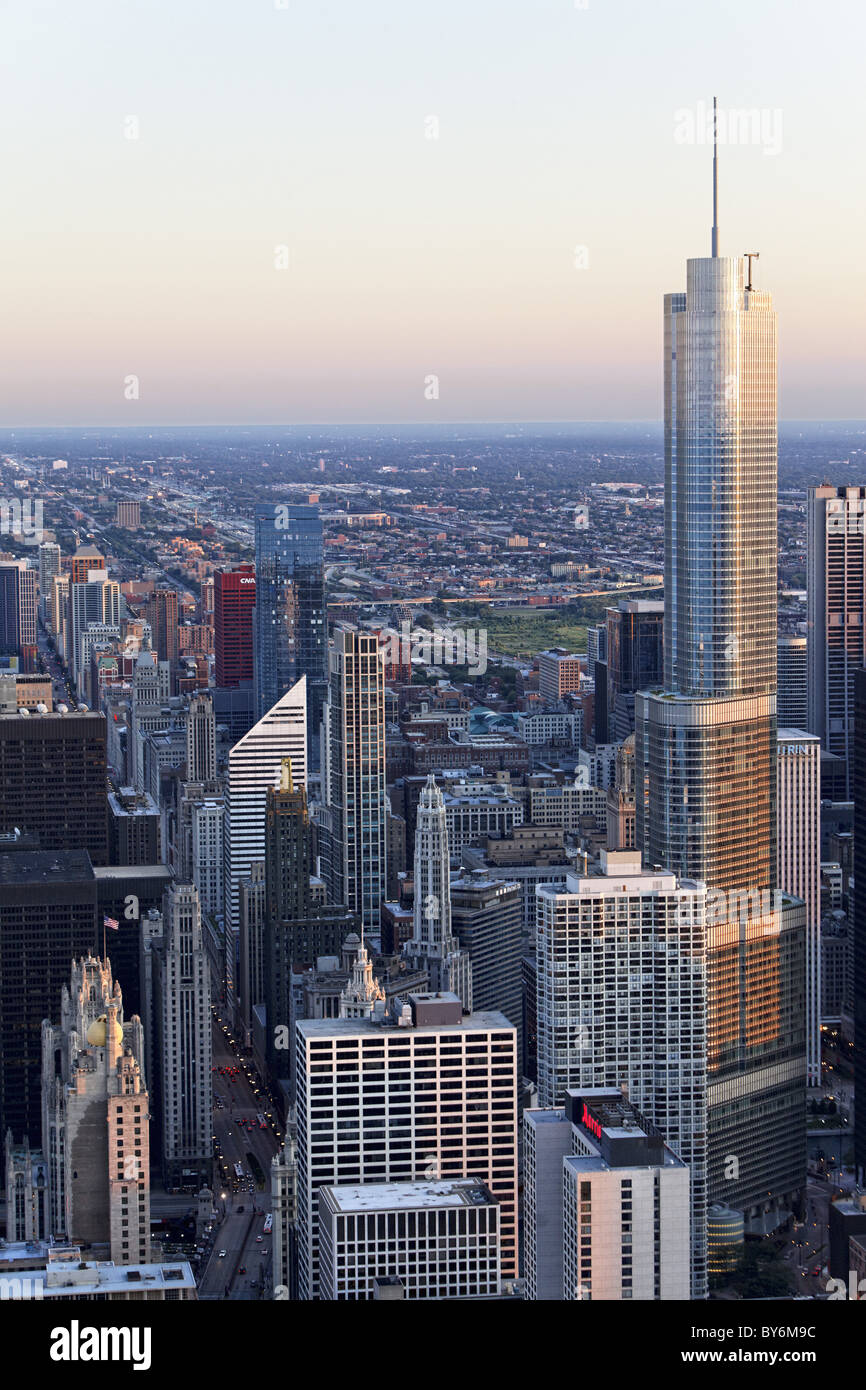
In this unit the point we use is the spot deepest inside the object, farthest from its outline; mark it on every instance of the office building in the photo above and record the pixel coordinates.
(18, 616)
(792, 704)
(487, 920)
(290, 631)
(255, 764)
(182, 999)
(429, 1097)
(200, 740)
(616, 1225)
(621, 962)
(705, 746)
(798, 844)
(61, 1274)
(162, 610)
(133, 827)
(48, 912)
(439, 1239)
(835, 604)
(559, 674)
(353, 777)
(433, 947)
(234, 605)
(96, 1118)
(858, 779)
(635, 661)
(27, 1213)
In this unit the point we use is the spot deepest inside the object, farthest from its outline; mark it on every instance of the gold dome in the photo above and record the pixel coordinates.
(96, 1033)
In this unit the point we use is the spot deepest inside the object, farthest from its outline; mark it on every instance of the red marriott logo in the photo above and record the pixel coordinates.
(590, 1122)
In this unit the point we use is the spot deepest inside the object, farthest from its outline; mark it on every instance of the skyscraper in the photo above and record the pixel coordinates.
(635, 660)
(792, 709)
(200, 740)
(621, 960)
(706, 745)
(291, 630)
(798, 843)
(859, 991)
(432, 946)
(48, 910)
(456, 1116)
(53, 775)
(255, 764)
(181, 982)
(49, 568)
(234, 608)
(836, 612)
(96, 1118)
(353, 776)
(163, 621)
(95, 600)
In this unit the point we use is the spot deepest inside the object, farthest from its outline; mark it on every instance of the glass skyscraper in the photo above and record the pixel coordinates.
(291, 630)
(706, 742)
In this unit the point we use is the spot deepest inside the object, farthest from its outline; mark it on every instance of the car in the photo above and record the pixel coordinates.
(238, 1209)
(259, 1239)
(816, 1270)
(222, 1255)
(242, 1270)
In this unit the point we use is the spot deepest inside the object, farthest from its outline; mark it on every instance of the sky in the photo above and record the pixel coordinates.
(280, 211)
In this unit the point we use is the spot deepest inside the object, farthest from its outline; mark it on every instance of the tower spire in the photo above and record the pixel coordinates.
(715, 237)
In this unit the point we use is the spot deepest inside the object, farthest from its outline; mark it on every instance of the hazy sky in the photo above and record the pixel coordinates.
(306, 124)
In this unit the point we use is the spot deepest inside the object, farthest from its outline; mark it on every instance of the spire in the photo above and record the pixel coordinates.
(715, 237)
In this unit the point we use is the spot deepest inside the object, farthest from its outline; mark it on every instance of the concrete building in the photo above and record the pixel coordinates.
(433, 947)
(559, 673)
(200, 740)
(439, 1239)
(182, 998)
(353, 776)
(836, 600)
(621, 960)
(96, 1118)
(798, 846)
(448, 1083)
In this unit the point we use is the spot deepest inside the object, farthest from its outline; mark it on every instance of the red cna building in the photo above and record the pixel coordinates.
(234, 598)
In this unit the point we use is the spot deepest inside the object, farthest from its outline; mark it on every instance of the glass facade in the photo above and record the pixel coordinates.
(705, 745)
(291, 630)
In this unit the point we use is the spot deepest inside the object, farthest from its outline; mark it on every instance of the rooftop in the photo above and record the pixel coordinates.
(388, 1196)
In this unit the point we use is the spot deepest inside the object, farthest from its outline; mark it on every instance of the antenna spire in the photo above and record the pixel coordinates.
(715, 238)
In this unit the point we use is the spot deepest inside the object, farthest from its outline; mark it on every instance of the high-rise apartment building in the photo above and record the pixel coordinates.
(181, 985)
(18, 612)
(127, 514)
(836, 612)
(607, 1204)
(291, 631)
(798, 845)
(95, 600)
(621, 961)
(487, 921)
(53, 775)
(705, 751)
(430, 1094)
(858, 768)
(792, 704)
(49, 569)
(200, 740)
(255, 764)
(432, 946)
(353, 776)
(96, 1119)
(234, 593)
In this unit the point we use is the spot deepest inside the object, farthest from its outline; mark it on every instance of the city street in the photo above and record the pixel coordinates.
(241, 1205)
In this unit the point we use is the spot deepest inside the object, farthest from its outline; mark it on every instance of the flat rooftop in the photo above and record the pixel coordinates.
(318, 1029)
(404, 1196)
(47, 866)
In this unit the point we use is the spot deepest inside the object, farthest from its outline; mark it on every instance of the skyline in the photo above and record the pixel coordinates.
(268, 134)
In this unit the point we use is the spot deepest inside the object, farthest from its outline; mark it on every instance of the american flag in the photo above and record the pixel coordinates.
(111, 922)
